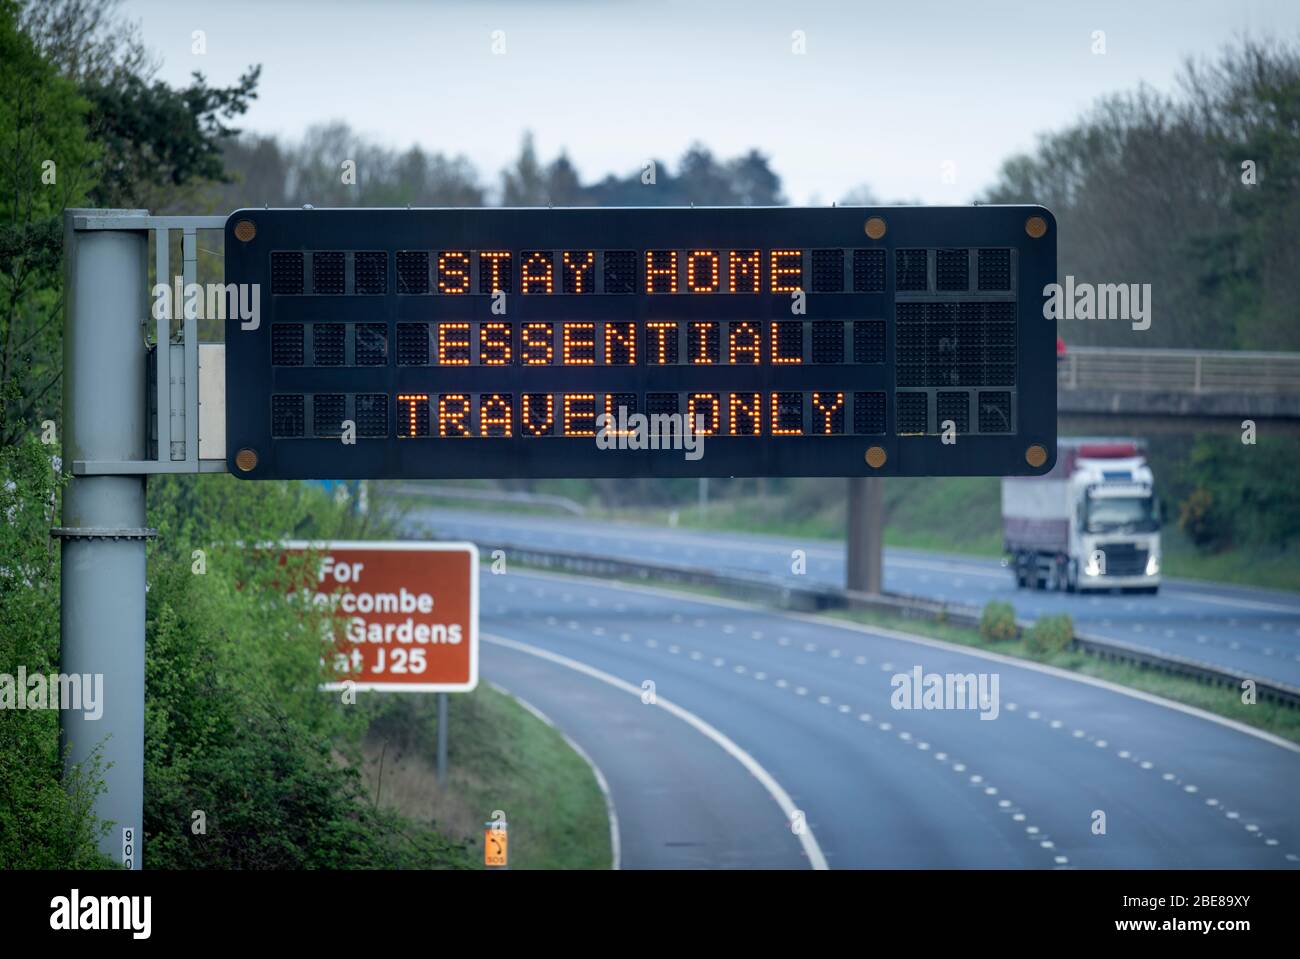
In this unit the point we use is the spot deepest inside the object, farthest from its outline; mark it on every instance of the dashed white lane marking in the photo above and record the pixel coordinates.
(806, 838)
(913, 638)
(992, 791)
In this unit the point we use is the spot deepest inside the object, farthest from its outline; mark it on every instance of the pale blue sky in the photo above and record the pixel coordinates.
(886, 93)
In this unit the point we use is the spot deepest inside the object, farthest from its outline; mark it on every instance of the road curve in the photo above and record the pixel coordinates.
(1250, 630)
(809, 700)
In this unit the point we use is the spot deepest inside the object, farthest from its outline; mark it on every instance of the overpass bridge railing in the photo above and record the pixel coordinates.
(1179, 371)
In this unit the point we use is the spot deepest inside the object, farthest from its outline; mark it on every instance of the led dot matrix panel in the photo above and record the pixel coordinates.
(488, 342)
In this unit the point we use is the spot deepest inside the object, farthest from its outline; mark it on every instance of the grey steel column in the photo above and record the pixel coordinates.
(442, 739)
(865, 559)
(103, 592)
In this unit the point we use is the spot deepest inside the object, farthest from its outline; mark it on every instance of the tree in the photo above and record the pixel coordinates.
(264, 170)
(1151, 188)
(46, 164)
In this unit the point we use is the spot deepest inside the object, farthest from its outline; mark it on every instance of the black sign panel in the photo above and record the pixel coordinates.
(405, 344)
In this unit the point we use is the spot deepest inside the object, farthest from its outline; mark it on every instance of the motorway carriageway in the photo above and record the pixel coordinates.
(1254, 631)
(764, 718)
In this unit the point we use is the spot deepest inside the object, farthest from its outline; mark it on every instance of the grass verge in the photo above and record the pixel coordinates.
(499, 756)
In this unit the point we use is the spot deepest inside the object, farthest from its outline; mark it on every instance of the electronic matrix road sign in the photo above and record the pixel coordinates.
(403, 344)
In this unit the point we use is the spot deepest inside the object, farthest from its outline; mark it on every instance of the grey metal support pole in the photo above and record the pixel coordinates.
(442, 739)
(102, 607)
(865, 559)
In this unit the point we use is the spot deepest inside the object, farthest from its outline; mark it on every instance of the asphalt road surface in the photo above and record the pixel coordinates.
(772, 741)
(1251, 630)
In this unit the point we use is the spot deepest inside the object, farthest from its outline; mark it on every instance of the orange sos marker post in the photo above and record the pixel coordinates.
(496, 843)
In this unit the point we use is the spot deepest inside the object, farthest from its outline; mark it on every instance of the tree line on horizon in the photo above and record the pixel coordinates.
(1193, 191)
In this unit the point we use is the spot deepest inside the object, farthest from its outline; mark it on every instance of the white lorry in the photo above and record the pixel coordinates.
(1092, 523)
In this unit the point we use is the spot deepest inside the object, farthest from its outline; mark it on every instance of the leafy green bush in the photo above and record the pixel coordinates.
(1050, 634)
(43, 825)
(235, 727)
(998, 621)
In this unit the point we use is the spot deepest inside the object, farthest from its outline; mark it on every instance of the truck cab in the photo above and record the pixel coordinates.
(1092, 523)
(1114, 535)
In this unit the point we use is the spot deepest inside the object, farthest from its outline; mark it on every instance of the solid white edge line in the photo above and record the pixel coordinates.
(806, 839)
(940, 644)
(615, 844)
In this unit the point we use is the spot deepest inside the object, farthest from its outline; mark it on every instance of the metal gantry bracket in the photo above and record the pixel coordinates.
(187, 376)
(103, 532)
